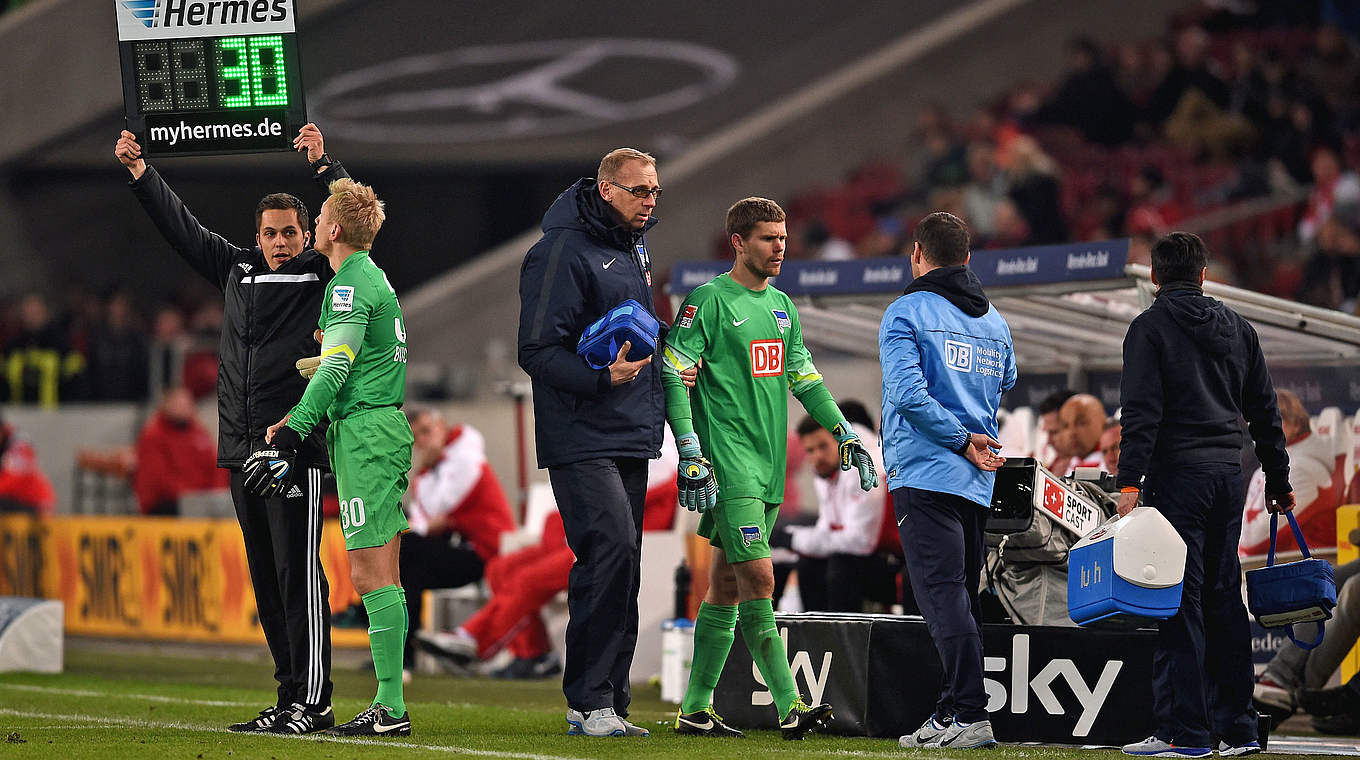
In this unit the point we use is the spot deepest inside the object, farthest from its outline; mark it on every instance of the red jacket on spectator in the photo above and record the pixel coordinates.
(1318, 490)
(461, 493)
(22, 483)
(174, 457)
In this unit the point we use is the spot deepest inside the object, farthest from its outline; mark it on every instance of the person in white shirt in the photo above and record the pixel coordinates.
(844, 558)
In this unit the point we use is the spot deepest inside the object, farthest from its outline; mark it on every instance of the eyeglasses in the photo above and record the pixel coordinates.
(640, 191)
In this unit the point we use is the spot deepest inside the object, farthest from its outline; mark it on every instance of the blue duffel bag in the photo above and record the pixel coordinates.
(1295, 592)
(629, 322)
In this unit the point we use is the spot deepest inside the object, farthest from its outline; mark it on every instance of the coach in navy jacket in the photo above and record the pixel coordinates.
(595, 428)
(1192, 369)
(947, 357)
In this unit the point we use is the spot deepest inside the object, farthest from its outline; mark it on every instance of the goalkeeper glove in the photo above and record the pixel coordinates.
(854, 454)
(269, 470)
(698, 486)
(307, 365)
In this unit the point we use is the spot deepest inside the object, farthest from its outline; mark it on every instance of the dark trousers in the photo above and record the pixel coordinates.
(432, 562)
(283, 549)
(1201, 672)
(601, 504)
(842, 582)
(942, 540)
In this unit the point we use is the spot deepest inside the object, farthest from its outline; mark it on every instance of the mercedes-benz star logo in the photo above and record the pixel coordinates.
(406, 100)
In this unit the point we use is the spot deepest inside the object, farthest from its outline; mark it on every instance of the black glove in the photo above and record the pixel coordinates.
(269, 470)
(781, 538)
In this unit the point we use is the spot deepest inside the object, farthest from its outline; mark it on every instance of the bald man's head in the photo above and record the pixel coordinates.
(1080, 422)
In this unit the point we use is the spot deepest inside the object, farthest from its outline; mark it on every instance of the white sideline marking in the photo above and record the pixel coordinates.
(137, 723)
(102, 694)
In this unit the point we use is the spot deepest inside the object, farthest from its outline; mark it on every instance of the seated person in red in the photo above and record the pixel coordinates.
(456, 508)
(1317, 487)
(175, 455)
(23, 486)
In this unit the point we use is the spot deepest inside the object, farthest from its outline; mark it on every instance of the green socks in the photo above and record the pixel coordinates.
(767, 649)
(713, 636)
(387, 638)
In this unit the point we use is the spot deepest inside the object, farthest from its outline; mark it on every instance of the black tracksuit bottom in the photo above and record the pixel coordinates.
(943, 545)
(1201, 673)
(601, 503)
(283, 549)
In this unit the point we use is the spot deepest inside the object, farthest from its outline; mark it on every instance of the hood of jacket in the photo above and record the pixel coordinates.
(580, 207)
(958, 285)
(1206, 320)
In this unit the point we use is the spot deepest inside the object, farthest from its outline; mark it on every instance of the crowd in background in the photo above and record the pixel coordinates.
(1136, 138)
(110, 348)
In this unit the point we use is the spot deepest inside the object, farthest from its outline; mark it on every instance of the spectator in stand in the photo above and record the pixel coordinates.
(120, 359)
(821, 244)
(839, 562)
(23, 486)
(1318, 488)
(1334, 71)
(40, 366)
(1032, 178)
(984, 191)
(1152, 206)
(1331, 186)
(1332, 275)
(457, 510)
(1081, 423)
(169, 345)
(1191, 72)
(175, 455)
(1089, 97)
(1049, 425)
(1109, 446)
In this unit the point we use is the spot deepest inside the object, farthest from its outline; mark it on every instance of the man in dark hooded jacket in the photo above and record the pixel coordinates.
(1192, 369)
(595, 428)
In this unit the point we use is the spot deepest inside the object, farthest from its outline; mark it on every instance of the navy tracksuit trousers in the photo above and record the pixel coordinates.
(1201, 672)
(943, 546)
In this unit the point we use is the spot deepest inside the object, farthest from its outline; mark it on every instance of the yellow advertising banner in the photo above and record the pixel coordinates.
(152, 577)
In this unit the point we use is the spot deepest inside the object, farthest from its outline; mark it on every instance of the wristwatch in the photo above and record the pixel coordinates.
(322, 163)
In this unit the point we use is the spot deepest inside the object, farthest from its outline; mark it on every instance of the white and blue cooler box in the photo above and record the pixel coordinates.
(1126, 571)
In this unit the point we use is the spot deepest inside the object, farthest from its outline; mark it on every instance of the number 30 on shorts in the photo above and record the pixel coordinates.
(352, 513)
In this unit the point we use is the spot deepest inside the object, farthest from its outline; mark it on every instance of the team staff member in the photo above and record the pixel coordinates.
(272, 293)
(947, 357)
(1192, 369)
(595, 429)
(750, 341)
(360, 384)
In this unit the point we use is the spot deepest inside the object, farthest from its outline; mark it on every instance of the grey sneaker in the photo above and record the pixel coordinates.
(1227, 750)
(965, 735)
(601, 722)
(1154, 747)
(631, 729)
(929, 732)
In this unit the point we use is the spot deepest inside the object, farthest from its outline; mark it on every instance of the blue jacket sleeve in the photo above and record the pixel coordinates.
(905, 388)
(552, 298)
(1140, 399)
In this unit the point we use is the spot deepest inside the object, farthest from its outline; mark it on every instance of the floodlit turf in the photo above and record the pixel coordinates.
(138, 706)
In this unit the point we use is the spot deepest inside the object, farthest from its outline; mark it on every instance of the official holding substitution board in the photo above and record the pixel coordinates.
(272, 293)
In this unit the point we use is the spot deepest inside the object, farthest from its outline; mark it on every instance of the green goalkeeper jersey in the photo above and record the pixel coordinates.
(751, 344)
(363, 351)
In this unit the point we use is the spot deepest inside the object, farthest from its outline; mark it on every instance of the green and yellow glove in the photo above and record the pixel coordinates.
(854, 454)
(698, 486)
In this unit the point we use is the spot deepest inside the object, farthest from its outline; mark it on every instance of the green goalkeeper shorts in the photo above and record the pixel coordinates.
(371, 458)
(740, 527)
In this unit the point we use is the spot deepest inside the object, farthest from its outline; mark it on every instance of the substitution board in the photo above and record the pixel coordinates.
(203, 77)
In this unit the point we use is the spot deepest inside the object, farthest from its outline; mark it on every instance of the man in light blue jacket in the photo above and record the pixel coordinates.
(947, 357)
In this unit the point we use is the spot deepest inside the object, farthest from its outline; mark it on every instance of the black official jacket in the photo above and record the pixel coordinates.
(1192, 369)
(584, 265)
(267, 323)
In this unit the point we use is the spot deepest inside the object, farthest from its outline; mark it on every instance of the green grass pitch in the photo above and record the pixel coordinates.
(110, 704)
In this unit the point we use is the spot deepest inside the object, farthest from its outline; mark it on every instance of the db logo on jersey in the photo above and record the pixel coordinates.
(767, 358)
(958, 356)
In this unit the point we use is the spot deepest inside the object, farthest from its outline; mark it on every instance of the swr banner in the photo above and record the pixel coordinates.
(151, 577)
